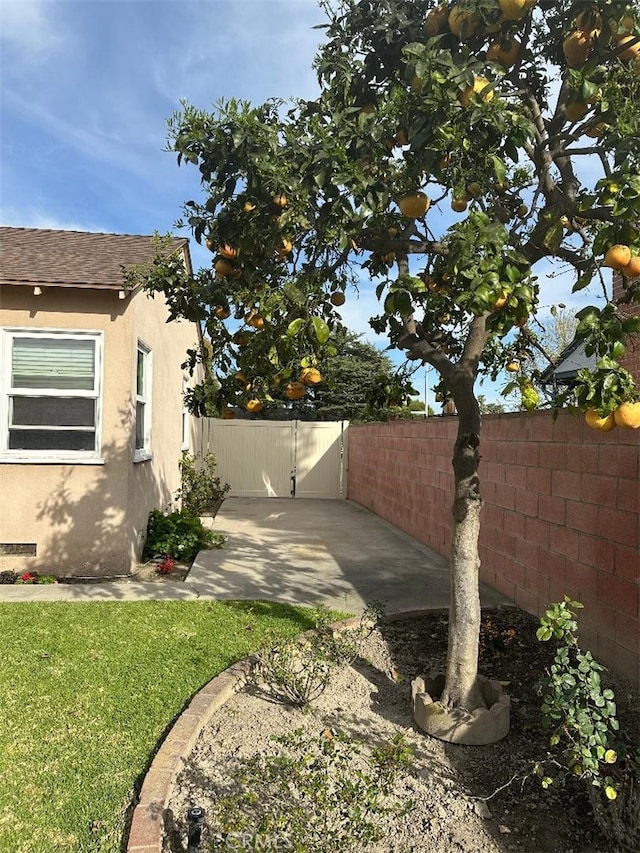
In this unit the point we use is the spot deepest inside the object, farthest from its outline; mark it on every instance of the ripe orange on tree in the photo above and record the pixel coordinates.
(507, 57)
(254, 405)
(617, 256)
(632, 269)
(595, 420)
(576, 48)
(310, 376)
(338, 298)
(479, 84)
(513, 10)
(414, 205)
(627, 415)
(295, 390)
(222, 312)
(225, 269)
(462, 22)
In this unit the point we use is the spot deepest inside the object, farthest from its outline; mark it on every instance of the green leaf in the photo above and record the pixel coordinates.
(294, 327)
(321, 329)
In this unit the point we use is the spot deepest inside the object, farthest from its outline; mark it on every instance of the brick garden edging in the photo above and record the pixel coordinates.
(146, 834)
(147, 825)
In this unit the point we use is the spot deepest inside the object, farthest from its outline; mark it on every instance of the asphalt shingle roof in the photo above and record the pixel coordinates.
(35, 256)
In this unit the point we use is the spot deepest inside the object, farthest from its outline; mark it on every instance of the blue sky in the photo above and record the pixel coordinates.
(87, 87)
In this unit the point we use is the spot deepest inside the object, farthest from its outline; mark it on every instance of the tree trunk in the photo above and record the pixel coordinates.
(461, 688)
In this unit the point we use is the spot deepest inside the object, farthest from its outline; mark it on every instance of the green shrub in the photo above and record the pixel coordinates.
(179, 535)
(201, 490)
(585, 736)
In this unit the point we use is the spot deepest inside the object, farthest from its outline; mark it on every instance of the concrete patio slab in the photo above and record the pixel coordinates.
(296, 551)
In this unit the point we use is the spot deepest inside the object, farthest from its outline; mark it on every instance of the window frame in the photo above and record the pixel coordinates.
(143, 453)
(46, 455)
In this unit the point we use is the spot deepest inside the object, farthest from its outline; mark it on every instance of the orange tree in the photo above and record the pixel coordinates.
(451, 151)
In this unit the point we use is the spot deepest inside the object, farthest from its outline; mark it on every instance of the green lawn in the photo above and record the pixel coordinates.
(87, 691)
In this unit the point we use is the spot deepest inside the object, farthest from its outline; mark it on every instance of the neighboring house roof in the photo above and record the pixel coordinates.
(48, 258)
(572, 359)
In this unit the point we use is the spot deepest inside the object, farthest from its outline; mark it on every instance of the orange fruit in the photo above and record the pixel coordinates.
(254, 405)
(225, 269)
(595, 420)
(459, 204)
(513, 367)
(632, 269)
(463, 23)
(283, 249)
(221, 312)
(576, 48)
(507, 57)
(248, 206)
(414, 205)
(596, 130)
(627, 415)
(254, 319)
(575, 110)
(295, 390)
(435, 21)
(500, 302)
(338, 298)
(479, 83)
(227, 251)
(513, 9)
(280, 200)
(310, 376)
(617, 256)
(240, 339)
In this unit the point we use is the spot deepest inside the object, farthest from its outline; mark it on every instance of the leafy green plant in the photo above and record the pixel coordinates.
(179, 535)
(8, 577)
(581, 714)
(201, 489)
(315, 794)
(298, 671)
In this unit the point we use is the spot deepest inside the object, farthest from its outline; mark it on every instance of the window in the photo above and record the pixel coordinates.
(143, 404)
(51, 395)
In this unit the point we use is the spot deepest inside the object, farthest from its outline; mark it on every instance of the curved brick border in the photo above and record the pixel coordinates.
(147, 826)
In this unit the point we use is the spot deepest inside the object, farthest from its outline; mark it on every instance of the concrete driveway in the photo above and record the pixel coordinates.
(309, 552)
(296, 551)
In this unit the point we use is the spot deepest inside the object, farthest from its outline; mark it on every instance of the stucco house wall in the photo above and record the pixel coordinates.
(89, 517)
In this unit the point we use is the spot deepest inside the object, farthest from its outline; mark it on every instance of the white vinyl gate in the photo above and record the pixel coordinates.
(304, 459)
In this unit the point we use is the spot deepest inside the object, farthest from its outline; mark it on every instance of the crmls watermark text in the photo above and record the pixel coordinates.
(254, 841)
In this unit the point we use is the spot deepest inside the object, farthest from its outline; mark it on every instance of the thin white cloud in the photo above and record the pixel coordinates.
(31, 217)
(28, 31)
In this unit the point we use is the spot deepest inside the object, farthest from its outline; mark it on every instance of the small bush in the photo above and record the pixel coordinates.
(201, 489)
(8, 577)
(297, 672)
(585, 736)
(178, 535)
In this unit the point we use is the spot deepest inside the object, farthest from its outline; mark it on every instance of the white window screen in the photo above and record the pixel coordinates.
(52, 394)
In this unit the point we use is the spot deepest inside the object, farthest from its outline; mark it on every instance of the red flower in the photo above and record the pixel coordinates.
(166, 566)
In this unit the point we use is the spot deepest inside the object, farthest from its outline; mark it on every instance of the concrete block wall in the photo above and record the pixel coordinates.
(561, 512)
